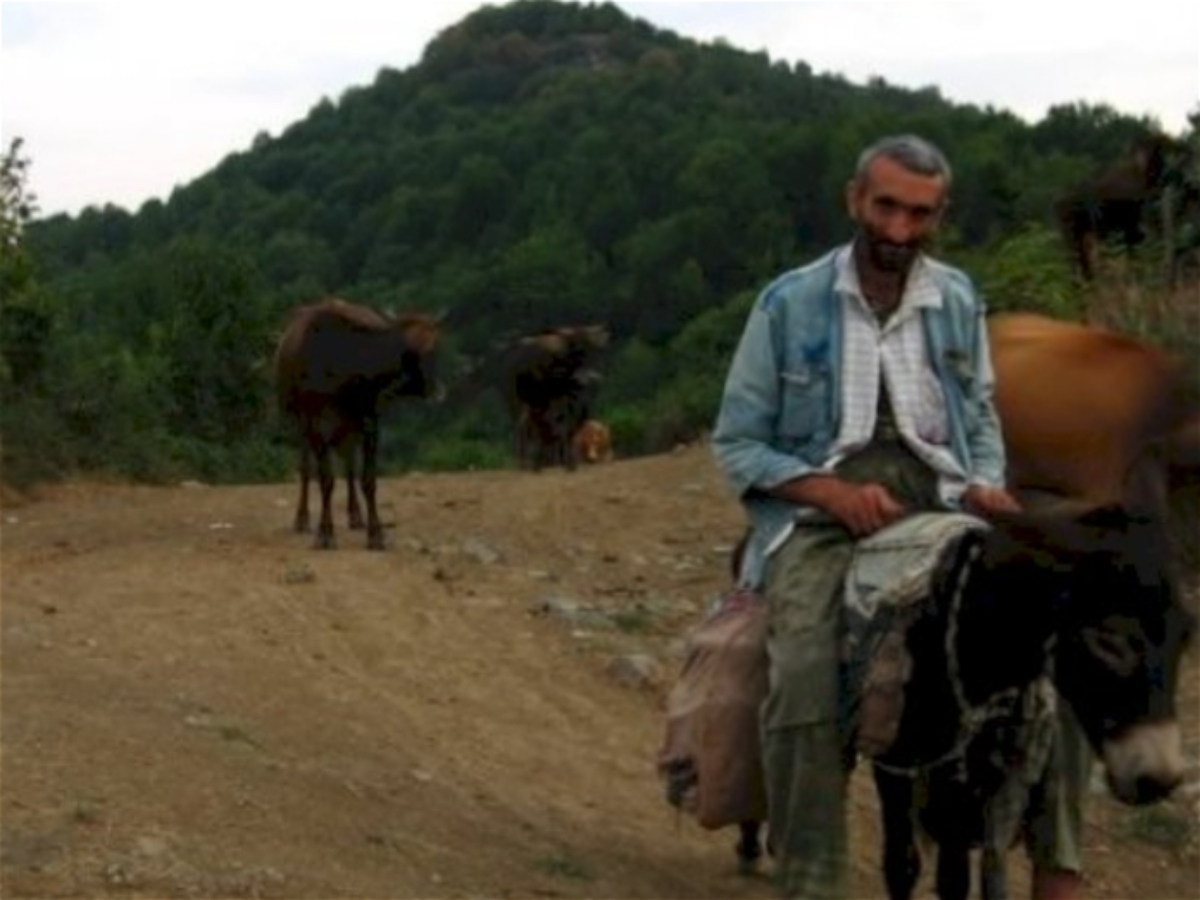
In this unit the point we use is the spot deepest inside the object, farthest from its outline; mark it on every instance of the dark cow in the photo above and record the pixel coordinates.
(333, 363)
(1114, 205)
(551, 382)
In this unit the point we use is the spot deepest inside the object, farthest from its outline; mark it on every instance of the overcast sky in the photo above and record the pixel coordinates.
(120, 102)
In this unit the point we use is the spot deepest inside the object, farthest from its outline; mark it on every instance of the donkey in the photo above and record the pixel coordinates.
(1087, 598)
(1084, 593)
(333, 363)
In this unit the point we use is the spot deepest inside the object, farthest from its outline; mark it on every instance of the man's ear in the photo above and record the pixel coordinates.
(939, 215)
(852, 195)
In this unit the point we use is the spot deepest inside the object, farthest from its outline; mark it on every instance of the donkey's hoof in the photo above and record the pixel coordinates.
(747, 868)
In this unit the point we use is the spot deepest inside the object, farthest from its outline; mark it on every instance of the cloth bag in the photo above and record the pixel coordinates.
(711, 756)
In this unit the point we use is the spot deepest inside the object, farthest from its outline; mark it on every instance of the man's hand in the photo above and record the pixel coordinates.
(862, 508)
(865, 508)
(983, 499)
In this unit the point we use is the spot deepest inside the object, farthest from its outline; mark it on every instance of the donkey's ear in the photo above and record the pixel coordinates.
(1108, 517)
(1118, 518)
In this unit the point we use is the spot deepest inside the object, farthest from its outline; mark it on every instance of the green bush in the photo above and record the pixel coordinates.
(1027, 271)
(458, 455)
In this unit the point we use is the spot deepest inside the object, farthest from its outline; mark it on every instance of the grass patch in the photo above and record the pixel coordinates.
(237, 734)
(637, 620)
(87, 811)
(1165, 826)
(564, 865)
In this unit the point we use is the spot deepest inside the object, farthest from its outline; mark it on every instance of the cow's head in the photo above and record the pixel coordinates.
(1121, 631)
(419, 353)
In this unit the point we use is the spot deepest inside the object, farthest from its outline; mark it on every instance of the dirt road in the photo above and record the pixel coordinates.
(196, 704)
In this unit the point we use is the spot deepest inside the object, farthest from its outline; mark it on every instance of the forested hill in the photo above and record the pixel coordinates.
(544, 163)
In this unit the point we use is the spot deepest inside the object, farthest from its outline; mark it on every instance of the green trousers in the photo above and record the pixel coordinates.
(805, 760)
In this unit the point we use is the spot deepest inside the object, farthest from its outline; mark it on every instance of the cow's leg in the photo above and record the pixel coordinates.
(1089, 252)
(324, 536)
(526, 441)
(749, 848)
(370, 446)
(536, 440)
(563, 445)
(901, 856)
(349, 453)
(301, 522)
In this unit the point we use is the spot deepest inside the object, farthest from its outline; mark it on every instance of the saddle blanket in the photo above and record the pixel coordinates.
(891, 570)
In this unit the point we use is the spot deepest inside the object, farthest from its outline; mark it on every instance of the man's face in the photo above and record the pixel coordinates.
(897, 211)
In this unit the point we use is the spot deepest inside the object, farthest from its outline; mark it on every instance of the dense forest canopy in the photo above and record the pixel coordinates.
(544, 163)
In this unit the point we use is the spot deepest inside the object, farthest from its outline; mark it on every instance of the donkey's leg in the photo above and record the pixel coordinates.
(993, 873)
(953, 870)
(901, 856)
(749, 849)
(370, 446)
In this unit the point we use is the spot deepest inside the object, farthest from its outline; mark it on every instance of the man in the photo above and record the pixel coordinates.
(861, 391)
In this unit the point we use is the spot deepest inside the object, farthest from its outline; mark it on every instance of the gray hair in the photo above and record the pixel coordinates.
(912, 152)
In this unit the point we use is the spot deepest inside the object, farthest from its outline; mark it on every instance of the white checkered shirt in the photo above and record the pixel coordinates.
(895, 355)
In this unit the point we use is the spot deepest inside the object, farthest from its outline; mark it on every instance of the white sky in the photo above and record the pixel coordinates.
(119, 102)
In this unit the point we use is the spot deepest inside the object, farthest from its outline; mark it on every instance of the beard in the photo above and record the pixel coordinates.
(888, 256)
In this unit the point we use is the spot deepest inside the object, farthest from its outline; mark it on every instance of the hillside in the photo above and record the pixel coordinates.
(543, 164)
(196, 704)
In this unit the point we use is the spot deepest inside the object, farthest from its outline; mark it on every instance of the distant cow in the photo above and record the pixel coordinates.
(1114, 204)
(550, 385)
(332, 363)
(592, 442)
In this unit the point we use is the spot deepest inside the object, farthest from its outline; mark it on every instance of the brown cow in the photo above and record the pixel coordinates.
(348, 450)
(332, 364)
(593, 442)
(1087, 412)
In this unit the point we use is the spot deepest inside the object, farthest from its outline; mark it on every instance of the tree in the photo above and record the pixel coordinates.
(18, 205)
(24, 325)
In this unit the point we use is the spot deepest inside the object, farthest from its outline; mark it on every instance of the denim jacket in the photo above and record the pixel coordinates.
(780, 411)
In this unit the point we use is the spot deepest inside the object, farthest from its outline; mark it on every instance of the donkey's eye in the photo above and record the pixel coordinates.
(1120, 648)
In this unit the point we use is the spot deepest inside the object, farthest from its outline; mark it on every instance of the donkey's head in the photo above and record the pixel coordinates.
(1121, 632)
